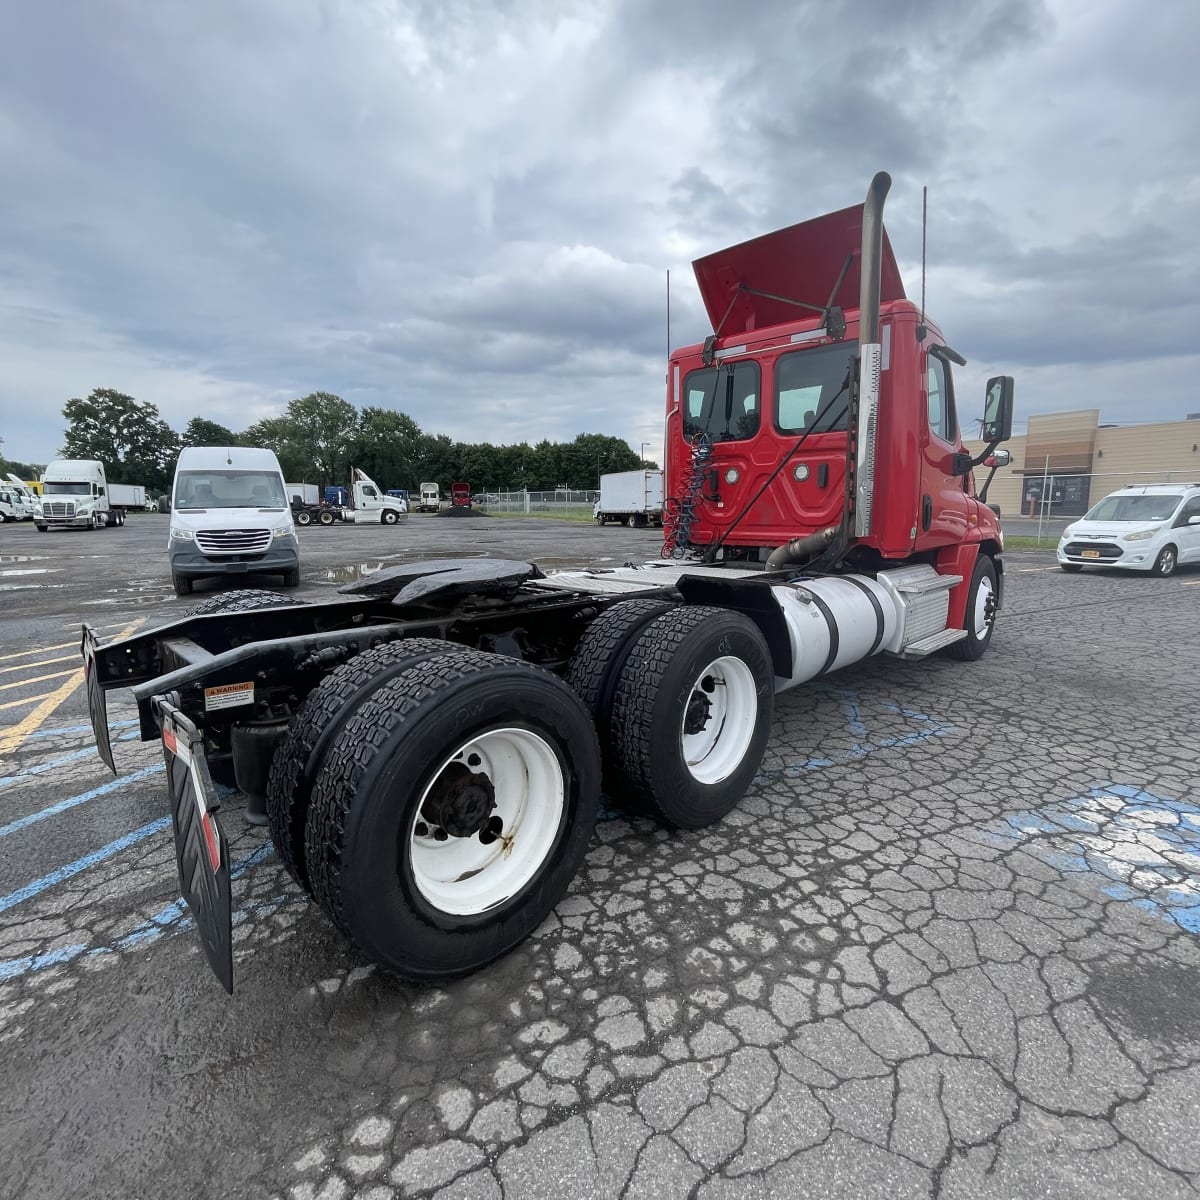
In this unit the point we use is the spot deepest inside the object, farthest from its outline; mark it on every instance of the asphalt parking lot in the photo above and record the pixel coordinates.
(948, 945)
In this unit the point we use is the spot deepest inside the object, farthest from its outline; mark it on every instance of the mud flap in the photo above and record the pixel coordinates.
(201, 849)
(97, 702)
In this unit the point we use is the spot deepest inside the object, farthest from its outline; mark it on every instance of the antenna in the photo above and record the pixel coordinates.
(921, 323)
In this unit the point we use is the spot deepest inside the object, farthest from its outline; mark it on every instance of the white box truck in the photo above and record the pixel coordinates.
(431, 498)
(230, 516)
(309, 493)
(630, 498)
(77, 495)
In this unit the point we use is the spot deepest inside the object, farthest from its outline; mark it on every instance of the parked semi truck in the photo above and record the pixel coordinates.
(630, 498)
(369, 504)
(76, 494)
(431, 498)
(428, 749)
(460, 494)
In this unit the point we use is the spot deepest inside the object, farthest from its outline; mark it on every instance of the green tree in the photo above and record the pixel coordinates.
(389, 446)
(200, 431)
(26, 471)
(132, 441)
(274, 433)
(322, 429)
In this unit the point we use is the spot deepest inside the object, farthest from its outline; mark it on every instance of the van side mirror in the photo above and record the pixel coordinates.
(998, 409)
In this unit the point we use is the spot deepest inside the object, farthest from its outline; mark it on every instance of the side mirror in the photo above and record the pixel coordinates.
(998, 458)
(1194, 520)
(998, 409)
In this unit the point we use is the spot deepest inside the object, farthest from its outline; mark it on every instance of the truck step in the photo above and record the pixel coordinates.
(937, 641)
(921, 580)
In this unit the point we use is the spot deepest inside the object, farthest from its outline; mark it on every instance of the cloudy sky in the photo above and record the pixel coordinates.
(466, 210)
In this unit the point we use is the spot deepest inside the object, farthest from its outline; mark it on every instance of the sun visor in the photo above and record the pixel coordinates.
(801, 262)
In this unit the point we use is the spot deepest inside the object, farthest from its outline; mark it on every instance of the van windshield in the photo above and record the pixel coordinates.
(198, 490)
(68, 487)
(1148, 507)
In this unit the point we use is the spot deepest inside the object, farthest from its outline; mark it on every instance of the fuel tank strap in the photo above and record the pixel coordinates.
(879, 621)
(831, 622)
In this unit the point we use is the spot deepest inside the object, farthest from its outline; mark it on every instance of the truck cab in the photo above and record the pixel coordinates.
(372, 505)
(74, 495)
(460, 494)
(759, 415)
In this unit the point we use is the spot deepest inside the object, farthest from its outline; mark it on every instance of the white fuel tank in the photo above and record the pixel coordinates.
(834, 621)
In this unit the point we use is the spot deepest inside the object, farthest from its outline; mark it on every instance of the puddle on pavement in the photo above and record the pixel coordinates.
(30, 571)
(32, 585)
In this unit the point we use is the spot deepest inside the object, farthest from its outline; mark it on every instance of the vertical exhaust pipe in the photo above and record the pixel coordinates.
(860, 457)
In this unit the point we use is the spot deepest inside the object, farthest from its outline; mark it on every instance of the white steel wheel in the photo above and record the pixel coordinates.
(985, 606)
(487, 821)
(719, 720)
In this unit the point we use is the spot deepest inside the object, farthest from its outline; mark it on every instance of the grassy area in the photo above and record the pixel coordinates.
(578, 515)
(1014, 542)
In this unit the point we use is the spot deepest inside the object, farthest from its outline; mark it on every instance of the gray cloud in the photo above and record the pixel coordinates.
(467, 212)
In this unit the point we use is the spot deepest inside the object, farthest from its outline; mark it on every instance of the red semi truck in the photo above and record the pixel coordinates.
(428, 749)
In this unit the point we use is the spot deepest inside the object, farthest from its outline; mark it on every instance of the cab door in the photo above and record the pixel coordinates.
(943, 503)
(370, 498)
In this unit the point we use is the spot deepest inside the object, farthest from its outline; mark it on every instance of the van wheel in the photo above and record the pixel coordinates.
(452, 812)
(1166, 562)
(291, 578)
(183, 585)
(316, 723)
(691, 714)
(980, 618)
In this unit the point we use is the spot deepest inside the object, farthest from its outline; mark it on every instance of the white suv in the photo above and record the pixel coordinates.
(1149, 527)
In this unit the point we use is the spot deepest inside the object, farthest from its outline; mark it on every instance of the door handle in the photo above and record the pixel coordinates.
(926, 512)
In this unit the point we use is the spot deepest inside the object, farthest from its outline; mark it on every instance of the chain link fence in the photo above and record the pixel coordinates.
(562, 502)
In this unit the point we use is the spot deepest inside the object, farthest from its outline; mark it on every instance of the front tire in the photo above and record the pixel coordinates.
(980, 618)
(40, 528)
(452, 812)
(291, 578)
(182, 585)
(388, 517)
(691, 714)
(1071, 568)
(1166, 562)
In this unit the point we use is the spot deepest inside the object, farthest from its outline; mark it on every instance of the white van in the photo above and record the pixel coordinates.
(230, 516)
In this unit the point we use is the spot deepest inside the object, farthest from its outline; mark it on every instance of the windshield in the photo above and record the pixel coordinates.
(197, 490)
(69, 487)
(1135, 508)
(722, 402)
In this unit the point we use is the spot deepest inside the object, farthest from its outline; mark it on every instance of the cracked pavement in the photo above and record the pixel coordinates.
(948, 945)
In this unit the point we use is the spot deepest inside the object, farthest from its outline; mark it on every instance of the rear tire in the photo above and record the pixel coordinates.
(691, 714)
(425, 755)
(596, 664)
(980, 618)
(303, 517)
(1166, 562)
(326, 518)
(242, 600)
(183, 585)
(317, 722)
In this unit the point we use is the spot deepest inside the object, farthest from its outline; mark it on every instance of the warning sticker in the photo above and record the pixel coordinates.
(228, 695)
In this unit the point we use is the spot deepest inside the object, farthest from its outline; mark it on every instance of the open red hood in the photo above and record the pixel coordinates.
(801, 262)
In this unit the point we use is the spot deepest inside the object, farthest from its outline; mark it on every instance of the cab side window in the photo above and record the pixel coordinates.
(940, 392)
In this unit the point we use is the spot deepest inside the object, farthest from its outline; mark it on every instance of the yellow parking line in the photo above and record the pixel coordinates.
(35, 679)
(40, 650)
(45, 662)
(49, 704)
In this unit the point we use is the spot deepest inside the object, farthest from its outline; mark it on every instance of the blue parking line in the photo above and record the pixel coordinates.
(82, 798)
(41, 768)
(170, 919)
(82, 864)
